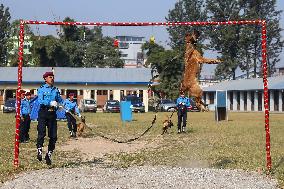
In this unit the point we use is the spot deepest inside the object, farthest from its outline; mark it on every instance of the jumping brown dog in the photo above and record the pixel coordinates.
(192, 60)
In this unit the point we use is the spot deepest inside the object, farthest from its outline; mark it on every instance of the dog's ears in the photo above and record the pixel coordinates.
(196, 33)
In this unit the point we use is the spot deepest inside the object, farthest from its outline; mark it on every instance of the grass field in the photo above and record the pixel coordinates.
(236, 144)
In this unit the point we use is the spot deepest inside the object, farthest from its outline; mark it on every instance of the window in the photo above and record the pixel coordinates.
(101, 92)
(123, 45)
(93, 94)
(81, 92)
(121, 38)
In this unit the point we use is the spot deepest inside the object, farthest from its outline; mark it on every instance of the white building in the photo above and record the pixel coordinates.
(247, 94)
(131, 52)
(101, 84)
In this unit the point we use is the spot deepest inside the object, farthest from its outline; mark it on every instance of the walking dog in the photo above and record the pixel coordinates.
(167, 123)
(192, 60)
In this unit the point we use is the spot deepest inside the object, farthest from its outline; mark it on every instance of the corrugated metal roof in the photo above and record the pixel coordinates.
(248, 84)
(79, 75)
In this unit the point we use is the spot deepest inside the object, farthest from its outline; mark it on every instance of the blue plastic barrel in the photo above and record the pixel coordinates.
(125, 111)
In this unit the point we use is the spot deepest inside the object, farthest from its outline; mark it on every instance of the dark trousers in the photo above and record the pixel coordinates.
(71, 122)
(25, 128)
(47, 119)
(182, 117)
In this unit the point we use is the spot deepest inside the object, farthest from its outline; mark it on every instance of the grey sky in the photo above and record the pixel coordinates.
(105, 11)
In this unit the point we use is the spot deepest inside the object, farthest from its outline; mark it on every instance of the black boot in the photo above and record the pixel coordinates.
(39, 154)
(48, 157)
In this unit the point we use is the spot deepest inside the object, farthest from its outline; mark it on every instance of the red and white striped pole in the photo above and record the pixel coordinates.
(18, 94)
(265, 93)
(239, 22)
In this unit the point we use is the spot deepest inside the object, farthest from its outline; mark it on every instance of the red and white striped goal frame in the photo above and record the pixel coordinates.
(262, 23)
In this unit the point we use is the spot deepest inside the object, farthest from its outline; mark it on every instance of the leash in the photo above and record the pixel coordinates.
(152, 123)
(132, 139)
(148, 129)
(115, 140)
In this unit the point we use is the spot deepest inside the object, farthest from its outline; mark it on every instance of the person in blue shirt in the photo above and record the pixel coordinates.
(48, 98)
(182, 104)
(71, 109)
(25, 111)
(21, 128)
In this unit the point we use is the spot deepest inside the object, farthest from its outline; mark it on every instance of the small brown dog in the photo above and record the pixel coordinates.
(81, 125)
(167, 124)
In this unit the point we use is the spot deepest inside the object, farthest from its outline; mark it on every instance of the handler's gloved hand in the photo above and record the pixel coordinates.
(53, 103)
(67, 111)
(80, 115)
(183, 103)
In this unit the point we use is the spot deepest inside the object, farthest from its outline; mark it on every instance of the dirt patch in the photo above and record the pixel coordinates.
(98, 147)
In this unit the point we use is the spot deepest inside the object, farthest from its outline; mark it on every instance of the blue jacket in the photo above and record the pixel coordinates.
(47, 93)
(71, 106)
(25, 108)
(183, 101)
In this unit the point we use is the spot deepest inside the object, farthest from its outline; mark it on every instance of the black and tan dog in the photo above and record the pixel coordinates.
(167, 123)
(81, 126)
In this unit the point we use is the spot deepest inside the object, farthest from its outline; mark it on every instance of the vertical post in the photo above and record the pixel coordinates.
(265, 92)
(242, 101)
(18, 95)
(249, 101)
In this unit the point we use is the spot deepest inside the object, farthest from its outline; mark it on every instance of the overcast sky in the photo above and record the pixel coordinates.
(105, 11)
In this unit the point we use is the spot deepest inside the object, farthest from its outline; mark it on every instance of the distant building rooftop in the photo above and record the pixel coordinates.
(78, 75)
(247, 84)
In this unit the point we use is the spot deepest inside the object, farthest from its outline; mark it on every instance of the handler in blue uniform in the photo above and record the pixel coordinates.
(48, 98)
(182, 104)
(25, 111)
(71, 108)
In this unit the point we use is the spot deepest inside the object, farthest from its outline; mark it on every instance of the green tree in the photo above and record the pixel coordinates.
(101, 52)
(266, 10)
(169, 66)
(49, 52)
(4, 33)
(240, 46)
(70, 32)
(225, 39)
(184, 11)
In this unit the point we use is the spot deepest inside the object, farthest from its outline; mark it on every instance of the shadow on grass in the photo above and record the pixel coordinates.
(94, 162)
(223, 163)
